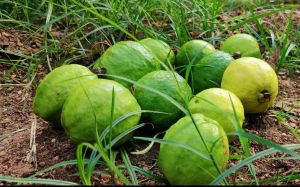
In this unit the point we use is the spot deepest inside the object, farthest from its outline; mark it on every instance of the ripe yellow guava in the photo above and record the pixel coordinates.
(253, 81)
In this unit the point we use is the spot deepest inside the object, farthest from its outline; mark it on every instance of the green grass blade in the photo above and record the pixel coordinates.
(123, 134)
(255, 17)
(129, 166)
(55, 166)
(112, 111)
(100, 16)
(91, 163)
(125, 116)
(244, 142)
(2, 137)
(268, 143)
(37, 181)
(187, 147)
(110, 164)
(250, 160)
(149, 174)
(148, 148)
(276, 179)
(84, 176)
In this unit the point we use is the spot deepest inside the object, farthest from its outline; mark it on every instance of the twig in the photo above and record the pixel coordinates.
(31, 156)
(2, 137)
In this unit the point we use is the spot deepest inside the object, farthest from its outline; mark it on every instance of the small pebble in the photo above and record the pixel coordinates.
(55, 158)
(42, 164)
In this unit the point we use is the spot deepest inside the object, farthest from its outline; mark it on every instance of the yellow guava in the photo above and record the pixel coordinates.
(253, 81)
(215, 103)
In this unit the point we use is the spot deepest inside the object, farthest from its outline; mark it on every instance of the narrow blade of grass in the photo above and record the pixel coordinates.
(37, 181)
(129, 166)
(2, 137)
(251, 159)
(244, 141)
(268, 143)
(104, 19)
(86, 179)
(257, 16)
(125, 116)
(144, 151)
(187, 147)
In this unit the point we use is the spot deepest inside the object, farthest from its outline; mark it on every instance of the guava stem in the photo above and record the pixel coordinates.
(265, 96)
(98, 71)
(237, 55)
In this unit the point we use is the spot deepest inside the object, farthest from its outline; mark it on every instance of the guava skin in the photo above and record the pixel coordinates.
(215, 103)
(183, 167)
(253, 81)
(90, 106)
(241, 45)
(208, 72)
(191, 52)
(169, 83)
(53, 90)
(128, 59)
(161, 49)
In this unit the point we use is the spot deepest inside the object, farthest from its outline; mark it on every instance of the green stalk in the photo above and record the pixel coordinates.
(100, 16)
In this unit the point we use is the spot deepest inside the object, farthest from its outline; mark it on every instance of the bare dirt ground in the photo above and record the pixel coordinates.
(28, 144)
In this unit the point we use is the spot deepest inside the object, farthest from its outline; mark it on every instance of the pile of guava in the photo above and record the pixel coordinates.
(198, 95)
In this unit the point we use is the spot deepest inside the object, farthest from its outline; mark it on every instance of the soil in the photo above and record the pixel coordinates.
(28, 144)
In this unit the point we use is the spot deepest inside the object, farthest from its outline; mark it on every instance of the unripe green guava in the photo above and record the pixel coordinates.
(184, 167)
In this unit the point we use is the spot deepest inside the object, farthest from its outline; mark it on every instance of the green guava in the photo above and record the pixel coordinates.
(253, 81)
(208, 72)
(169, 83)
(128, 59)
(241, 45)
(161, 49)
(181, 166)
(191, 52)
(53, 90)
(215, 103)
(89, 108)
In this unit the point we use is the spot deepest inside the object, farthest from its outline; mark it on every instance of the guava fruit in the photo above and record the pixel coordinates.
(169, 83)
(191, 52)
(183, 167)
(208, 72)
(53, 90)
(253, 81)
(215, 103)
(89, 108)
(241, 45)
(128, 59)
(161, 49)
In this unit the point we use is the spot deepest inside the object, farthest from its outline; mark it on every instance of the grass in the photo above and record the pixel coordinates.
(283, 114)
(72, 30)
